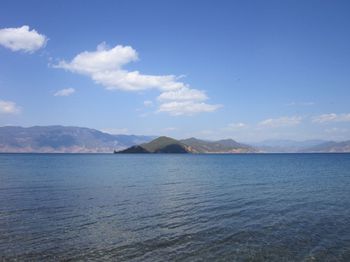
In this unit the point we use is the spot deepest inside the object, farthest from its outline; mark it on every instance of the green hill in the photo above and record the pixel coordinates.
(165, 144)
(161, 144)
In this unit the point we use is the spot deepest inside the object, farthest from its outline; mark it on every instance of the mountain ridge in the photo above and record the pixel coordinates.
(63, 139)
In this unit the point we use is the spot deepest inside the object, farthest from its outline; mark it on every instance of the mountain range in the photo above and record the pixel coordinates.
(69, 139)
(62, 139)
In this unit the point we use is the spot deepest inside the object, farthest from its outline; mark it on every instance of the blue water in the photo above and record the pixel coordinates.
(275, 207)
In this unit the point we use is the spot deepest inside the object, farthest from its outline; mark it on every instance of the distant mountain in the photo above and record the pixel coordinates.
(61, 139)
(286, 146)
(329, 147)
(192, 145)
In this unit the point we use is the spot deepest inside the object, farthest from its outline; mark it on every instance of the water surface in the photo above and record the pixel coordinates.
(279, 207)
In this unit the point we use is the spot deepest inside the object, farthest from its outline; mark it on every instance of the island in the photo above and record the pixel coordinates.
(192, 145)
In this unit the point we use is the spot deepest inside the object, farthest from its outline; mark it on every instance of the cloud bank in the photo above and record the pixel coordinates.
(22, 39)
(105, 67)
(9, 107)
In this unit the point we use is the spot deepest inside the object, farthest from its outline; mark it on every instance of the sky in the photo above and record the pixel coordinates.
(247, 70)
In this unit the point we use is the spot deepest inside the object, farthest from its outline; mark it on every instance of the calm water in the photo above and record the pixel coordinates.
(175, 207)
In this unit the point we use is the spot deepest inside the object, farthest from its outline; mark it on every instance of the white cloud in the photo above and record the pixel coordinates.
(185, 101)
(9, 107)
(177, 108)
(184, 93)
(326, 118)
(65, 92)
(101, 60)
(281, 122)
(147, 103)
(22, 39)
(105, 67)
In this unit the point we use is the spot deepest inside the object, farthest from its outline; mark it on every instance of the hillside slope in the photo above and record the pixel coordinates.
(220, 146)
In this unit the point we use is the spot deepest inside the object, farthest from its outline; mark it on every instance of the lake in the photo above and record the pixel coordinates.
(244, 207)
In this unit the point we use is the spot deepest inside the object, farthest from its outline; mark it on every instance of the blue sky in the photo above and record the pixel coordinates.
(249, 70)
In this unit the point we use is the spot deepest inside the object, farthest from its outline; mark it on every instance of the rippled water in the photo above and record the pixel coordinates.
(175, 207)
